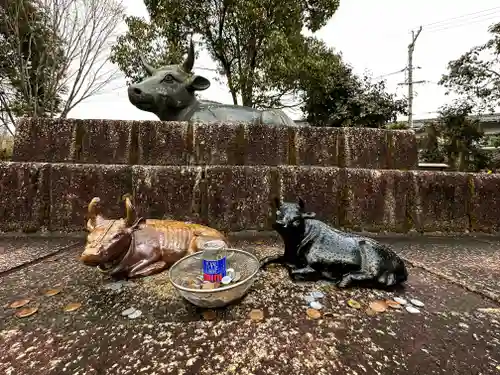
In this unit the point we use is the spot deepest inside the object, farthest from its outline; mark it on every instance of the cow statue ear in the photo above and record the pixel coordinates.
(301, 203)
(198, 83)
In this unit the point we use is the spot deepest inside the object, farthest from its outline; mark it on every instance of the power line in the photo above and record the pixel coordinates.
(446, 20)
(462, 24)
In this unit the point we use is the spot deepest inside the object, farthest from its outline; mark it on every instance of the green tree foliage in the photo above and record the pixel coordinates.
(398, 125)
(333, 95)
(456, 138)
(476, 74)
(28, 48)
(257, 44)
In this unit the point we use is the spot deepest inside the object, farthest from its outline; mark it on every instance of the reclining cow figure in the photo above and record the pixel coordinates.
(314, 250)
(135, 247)
(169, 93)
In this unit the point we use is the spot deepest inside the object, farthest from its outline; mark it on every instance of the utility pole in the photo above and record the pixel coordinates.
(411, 48)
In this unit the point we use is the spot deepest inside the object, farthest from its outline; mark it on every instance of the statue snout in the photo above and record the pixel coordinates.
(90, 258)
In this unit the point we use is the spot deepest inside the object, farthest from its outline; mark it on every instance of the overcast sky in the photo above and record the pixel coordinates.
(372, 36)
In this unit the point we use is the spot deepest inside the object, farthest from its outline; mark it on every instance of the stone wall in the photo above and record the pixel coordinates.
(42, 196)
(226, 176)
(182, 143)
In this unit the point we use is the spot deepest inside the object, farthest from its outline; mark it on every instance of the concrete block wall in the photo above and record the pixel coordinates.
(183, 143)
(225, 175)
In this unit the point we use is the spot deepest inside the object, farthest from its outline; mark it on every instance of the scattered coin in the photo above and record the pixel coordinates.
(19, 303)
(316, 305)
(417, 303)
(370, 312)
(400, 300)
(378, 306)
(226, 280)
(230, 272)
(72, 306)
(135, 314)
(52, 292)
(354, 304)
(208, 286)
(23, 313)
(317, 294)
(209, 315)
(313, 313)
(309, 299)
(412, 310)
(128, 311)
(393, 304)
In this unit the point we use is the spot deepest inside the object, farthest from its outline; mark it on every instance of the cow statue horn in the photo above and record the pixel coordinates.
(187, 66)
(146, 66)
(130, 209)
(92, 213)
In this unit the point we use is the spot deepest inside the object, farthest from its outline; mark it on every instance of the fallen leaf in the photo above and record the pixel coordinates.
(256, 315)
(354, 304)
(370, 312)
(19, 303)
(23, 313)
(72, 306)
(313, 313)
(52, 292)
(378, 306)
(393, 304)
(209, 315)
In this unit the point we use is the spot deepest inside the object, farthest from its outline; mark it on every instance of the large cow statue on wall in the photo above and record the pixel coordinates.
(169, 91)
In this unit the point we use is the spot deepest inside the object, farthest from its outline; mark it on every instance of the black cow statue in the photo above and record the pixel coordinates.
(314, 250)
(169, 93)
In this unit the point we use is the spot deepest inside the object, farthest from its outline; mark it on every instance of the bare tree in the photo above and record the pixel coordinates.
(55, 54)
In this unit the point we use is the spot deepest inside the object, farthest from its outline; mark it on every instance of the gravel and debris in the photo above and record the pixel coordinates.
(144, 327)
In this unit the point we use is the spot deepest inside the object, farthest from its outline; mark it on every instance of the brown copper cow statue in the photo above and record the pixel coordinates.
(136, 247)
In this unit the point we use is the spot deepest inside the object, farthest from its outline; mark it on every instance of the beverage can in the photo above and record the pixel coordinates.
(214, 261)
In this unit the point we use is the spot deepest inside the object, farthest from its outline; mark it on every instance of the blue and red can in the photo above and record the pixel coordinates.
(214, 261)
(214, 270)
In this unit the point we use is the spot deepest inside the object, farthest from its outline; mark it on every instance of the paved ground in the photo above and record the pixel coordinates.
(450, 336)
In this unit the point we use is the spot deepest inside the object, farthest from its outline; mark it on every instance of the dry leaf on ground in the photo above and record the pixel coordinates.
(52, 292)
(393, 304)
(19, 303)
(72, 306)
(23, 313)
(354, 304)
(378, 306)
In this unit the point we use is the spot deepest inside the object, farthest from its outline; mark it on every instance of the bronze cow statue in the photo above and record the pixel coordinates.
(169, 93)
(136, 247)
